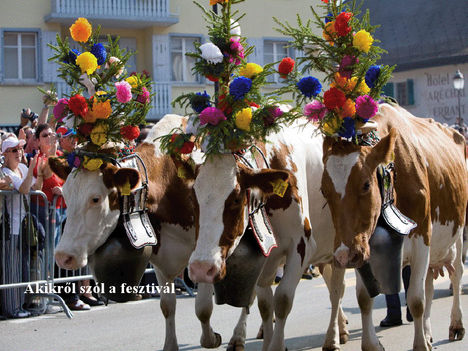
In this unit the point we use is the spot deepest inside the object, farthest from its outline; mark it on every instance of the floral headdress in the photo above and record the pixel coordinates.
(347, 55)
(238, 114)
(105, 105)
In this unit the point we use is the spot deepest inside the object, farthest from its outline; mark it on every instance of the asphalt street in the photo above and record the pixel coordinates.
(140, 325)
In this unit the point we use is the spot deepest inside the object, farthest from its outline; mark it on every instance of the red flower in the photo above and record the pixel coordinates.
(130, 132)
(286, 66)
(78, 105)
(253, 104)
(212, 78)
(334, 98)
(224, 105)
(85, 129)
(325, 1)
(186, 147)
(341, 23)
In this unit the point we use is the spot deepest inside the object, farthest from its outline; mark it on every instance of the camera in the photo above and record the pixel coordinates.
(32, 116)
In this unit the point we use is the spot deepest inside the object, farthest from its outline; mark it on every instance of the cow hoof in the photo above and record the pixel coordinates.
(212, 345)
(232, 347)
(333, 348)
(344, 337)
(456, 333)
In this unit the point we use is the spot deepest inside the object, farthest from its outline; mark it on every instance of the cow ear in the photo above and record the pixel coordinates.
(186, 170)
(126, 176)
(384, 151)
(60, 167)
(264, 179)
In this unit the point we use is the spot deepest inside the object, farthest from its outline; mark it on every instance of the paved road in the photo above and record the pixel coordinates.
(140, 325)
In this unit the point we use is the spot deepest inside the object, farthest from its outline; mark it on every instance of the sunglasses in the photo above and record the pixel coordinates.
(47, 135)
(15, 150)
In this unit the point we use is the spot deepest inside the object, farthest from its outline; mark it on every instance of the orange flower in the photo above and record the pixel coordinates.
(81, 30)
(329, 32)
(102, 110)
(89, 117)
(214, 2)
(348, 109)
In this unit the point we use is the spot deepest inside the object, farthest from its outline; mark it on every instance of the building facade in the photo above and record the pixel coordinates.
(160, 32)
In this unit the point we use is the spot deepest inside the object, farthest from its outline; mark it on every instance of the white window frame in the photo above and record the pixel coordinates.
(20, 80)
(276, 58)
(198, 79)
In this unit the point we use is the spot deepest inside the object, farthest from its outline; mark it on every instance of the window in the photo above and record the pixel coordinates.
(274, 51)
(405, 93)
(181, 65)
(20, 56)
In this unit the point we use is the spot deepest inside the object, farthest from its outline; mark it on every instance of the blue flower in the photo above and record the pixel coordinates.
(372, 75)
(329, 17)
(71, 57)
(347, 128)
(99, 51)
(309, 86)
(239, 87)
(200, 101)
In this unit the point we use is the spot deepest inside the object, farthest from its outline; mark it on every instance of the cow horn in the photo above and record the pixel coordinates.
(367, 127)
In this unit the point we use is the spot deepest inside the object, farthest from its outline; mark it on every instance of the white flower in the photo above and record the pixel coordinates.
(193, 124)
(235, 29)
(115, 60)
(211, 53)
(88, 83)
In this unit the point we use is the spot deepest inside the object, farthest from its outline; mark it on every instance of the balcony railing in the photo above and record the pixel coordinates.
(161, 102)
(129, 13)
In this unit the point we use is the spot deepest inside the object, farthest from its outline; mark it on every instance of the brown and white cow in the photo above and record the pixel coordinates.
(431, 188)
(302, 225)
(93, 212)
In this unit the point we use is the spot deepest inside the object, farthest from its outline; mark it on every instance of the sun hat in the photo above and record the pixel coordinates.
(11, 141)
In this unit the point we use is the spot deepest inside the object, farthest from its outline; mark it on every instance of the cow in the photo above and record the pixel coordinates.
(93, 213)
(430, 186)
(302, 225)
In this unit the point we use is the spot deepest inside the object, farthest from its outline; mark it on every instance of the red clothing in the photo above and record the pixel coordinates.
(50, 183)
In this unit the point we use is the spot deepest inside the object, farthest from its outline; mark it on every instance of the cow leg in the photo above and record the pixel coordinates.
(265, 301)
(334, 278)
(427, 310)
(369, 340)
(203, 309)
(456, 330)
(419, 261)
(237, 342)
(284, 296)
(168, 308)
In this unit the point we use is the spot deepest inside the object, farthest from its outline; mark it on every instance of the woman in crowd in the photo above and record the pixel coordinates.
(22, 180)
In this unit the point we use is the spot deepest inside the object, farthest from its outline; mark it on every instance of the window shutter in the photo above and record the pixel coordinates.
(161, 64)
(388, 90)
(410, 91)
(130, 45)
(49, 68)
(257, 55)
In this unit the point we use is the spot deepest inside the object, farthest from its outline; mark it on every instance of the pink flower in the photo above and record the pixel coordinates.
(315, 111)
(124, 91)
(211, 115)
(345, 64)
(60, 109)
(366, 107)
(143, 98)
(237, 51)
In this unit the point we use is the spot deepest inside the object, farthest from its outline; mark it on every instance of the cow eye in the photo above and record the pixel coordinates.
(366, 186)
(95, 199)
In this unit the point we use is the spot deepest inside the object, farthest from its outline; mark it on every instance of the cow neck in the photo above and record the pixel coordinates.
(170, 199)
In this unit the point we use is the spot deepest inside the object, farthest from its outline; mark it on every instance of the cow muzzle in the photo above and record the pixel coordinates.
(205, 272)
(67, 261)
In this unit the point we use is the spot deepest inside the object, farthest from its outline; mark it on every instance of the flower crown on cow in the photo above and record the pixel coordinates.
(238, 114)
(105, 105)
(346, 55)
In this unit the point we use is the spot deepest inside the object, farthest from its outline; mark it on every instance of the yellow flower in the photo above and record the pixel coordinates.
(133, 81)
(363, 40)
(348, 109)
(99, 134)
(102, 110)
(331, 126)
(250, 70)
(92, 164)
(100, 92)
(363, 88)
(244, 118)
(214, 2)
(87, 62)
(81, 30)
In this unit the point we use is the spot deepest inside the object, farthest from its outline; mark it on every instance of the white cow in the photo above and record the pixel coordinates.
(301, 222)
(93, 212)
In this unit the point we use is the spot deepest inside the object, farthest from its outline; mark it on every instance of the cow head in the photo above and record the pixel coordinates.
(221, 190)
(350, 186)
(92, 200)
